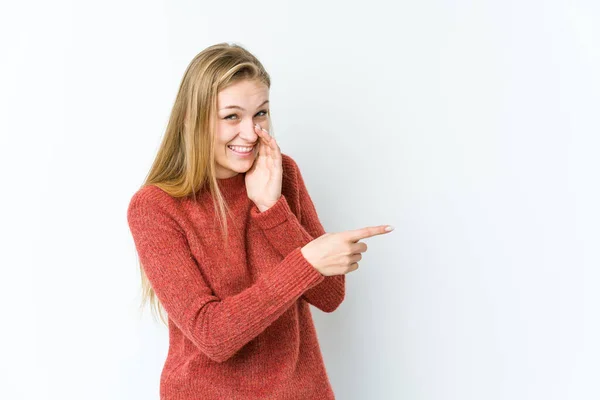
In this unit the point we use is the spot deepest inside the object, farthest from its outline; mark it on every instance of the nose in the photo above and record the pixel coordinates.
(248, 132)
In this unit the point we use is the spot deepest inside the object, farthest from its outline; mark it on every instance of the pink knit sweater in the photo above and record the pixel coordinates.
(240, 325)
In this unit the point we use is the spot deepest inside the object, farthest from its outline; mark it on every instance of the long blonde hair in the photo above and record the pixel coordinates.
(185, 162)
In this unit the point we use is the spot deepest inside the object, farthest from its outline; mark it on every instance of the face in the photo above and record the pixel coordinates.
(239, 107)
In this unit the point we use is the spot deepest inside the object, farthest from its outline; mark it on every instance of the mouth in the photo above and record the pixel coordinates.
(242, 151)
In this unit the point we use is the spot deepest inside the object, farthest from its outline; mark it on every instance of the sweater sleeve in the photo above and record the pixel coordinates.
(218, 327)
(286, 233)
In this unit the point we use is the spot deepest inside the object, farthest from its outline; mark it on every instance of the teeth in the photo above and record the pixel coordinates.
(241, 149)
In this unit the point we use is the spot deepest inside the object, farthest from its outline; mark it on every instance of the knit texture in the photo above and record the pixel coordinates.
(240, 325)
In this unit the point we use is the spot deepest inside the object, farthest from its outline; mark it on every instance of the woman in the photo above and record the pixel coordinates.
(236, 293)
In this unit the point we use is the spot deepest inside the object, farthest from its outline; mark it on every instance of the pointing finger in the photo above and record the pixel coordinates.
(363, 233)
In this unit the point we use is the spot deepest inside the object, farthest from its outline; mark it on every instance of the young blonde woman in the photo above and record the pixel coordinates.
(230, 244)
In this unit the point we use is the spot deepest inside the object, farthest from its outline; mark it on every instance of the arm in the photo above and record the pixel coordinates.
(218, 327)
(286, 232)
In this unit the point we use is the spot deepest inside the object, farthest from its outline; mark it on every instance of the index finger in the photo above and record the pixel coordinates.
(357, 234)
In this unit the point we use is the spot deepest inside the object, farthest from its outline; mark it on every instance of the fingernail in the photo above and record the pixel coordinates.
(389, 228)
(257, 126)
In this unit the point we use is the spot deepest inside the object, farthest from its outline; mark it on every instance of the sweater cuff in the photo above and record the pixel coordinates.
(295, 274)
(277, 214)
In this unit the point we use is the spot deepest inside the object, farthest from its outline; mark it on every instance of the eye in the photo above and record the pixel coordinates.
(235, 115)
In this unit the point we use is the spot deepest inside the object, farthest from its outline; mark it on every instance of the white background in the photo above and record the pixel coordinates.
(471, 126)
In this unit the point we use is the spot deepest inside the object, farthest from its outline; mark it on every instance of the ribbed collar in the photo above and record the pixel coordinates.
(232, 186)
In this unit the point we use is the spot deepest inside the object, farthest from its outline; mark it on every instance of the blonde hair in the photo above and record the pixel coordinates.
(185, 162)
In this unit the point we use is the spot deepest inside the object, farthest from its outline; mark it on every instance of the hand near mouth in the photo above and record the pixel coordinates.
(263, 179)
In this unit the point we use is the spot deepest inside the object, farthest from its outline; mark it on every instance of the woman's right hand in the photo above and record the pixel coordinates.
(338, 253)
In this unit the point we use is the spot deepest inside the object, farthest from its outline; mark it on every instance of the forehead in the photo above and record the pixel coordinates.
(244, 93)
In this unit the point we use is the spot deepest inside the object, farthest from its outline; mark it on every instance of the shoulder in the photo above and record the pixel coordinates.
(292, 183)
(288, 161)
(149, 200)
(289, 166)
(150, 195)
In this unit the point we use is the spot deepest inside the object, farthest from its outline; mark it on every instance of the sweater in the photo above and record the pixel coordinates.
(239, 321)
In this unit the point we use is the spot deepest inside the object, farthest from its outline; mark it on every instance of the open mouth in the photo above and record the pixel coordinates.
(240, 150)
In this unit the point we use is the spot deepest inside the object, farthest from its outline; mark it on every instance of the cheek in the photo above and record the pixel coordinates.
(224, 136)
(220, 144)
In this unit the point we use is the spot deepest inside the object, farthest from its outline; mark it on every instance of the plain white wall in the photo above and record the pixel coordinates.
(472, 126)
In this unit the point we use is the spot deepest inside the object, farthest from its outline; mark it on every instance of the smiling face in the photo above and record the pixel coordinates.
(239, 107)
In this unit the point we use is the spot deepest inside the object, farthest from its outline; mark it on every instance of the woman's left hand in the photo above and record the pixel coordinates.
(263, 179)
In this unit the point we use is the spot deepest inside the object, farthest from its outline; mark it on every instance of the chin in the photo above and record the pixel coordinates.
(240, 168)
(237, 165)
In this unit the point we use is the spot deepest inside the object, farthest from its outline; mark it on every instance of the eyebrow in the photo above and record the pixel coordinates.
(240, 108)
